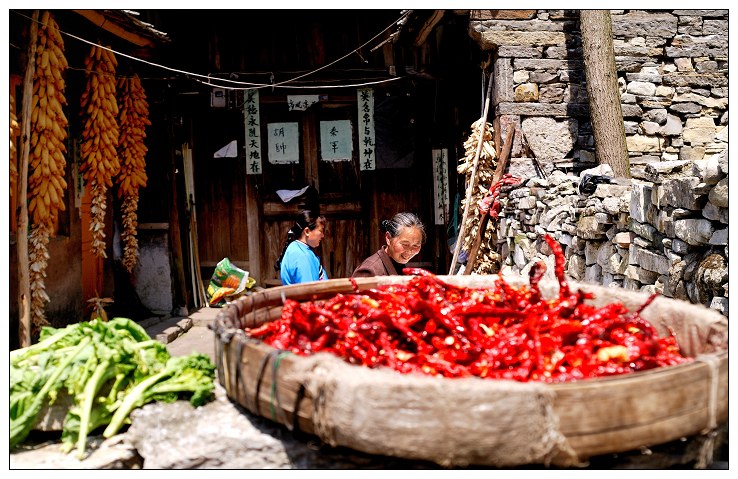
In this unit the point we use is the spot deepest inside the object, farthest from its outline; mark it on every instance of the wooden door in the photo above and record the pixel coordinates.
(338, 183)
(220, 192)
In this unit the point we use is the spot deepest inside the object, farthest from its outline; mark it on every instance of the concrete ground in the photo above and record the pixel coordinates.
(185, 335)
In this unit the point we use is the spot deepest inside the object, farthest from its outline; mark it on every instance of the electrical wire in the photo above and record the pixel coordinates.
(250, 86)
(400, 20)
(306, 87)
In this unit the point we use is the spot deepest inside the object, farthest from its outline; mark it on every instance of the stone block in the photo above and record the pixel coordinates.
(489, 40)
(527, 92)
(695, 232)
(718, 196)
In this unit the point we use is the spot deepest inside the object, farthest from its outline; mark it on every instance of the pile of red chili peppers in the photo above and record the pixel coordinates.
(432, 327)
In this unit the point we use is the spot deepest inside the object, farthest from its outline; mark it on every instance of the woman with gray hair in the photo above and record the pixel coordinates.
(404, 234)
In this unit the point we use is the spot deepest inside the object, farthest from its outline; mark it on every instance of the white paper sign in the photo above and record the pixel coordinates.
(336, 140)
(440, 185)
(284, 141)
(367, 153)
(253, 132)
(301, 102)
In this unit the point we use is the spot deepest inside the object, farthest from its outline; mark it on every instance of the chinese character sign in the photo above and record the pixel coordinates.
(336, 140)
(253, 132)
(440, 185)
(367, 154)
(301, 102)
(284, 140)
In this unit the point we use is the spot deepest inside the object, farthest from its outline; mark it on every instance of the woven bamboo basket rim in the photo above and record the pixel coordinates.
(694, 395)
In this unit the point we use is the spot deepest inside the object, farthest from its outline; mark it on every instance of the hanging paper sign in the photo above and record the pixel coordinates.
(284, 141)
(440, 185)
(253, 132)
(301, 102)
(367, 153)
(336, 140)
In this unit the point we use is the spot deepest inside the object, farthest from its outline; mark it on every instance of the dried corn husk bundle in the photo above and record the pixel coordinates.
(484, 175)
(38, 253)
(98, 149)
(14, 129)
(133, 120)
(47, 164)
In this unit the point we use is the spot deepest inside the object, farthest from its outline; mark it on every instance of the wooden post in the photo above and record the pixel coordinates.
(197, 285)
(254, 229)
(499, 171)
(24, 276)
(472, 180)
(175, 233)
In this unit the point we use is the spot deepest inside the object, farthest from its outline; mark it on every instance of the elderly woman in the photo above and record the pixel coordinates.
(404, 234)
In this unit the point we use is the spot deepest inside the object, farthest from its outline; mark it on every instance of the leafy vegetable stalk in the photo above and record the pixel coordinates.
(185, 374)
(102, 373)
(107, 369)
(21, 426)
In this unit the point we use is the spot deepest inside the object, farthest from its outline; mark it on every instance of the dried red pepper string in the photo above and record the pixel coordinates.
(559, 264)
(432, 327)
(490, 204)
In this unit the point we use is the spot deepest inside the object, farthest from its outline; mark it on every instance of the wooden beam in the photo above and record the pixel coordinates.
(310, 148)
(24, 274)
(180, 294)
(428, 27)
(499, 171)
(109, 26)
(254, 229)
(274, 209)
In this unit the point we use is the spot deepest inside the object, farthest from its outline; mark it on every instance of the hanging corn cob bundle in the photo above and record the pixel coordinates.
(47, 165)
(99, 137)
(485, 172)
(14, 128)
(133, 119)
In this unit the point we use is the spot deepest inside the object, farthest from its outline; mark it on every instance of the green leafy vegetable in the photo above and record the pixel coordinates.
(108, 369)
(191, 374)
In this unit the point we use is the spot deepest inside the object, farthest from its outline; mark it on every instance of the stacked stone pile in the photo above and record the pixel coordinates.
(681, 220)
(668, 235)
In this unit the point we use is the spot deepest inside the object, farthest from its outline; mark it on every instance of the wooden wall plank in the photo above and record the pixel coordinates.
(253, 222)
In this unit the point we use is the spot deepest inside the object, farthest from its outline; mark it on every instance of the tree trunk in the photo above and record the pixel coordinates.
(602, 87)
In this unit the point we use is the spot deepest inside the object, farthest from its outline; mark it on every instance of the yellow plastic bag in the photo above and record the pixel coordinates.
(227, 282)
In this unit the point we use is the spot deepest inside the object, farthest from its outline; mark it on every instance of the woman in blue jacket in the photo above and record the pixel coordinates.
(298, 263)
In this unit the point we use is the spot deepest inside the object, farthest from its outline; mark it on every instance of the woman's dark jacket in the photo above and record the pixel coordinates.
(378, 264)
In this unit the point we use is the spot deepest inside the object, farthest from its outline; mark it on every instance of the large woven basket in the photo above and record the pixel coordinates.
(472, 421)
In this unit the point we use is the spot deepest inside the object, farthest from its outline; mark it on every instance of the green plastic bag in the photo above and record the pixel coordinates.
(227, 282)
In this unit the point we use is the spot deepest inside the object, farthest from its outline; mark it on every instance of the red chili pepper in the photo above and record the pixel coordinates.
(502, 332)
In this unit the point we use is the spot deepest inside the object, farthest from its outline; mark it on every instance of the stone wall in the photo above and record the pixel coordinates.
(668, 235)
(672, 68)
(666, 230)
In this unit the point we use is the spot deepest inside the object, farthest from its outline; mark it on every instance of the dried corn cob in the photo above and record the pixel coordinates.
(98, 149)
(133, 119)
(47, 164)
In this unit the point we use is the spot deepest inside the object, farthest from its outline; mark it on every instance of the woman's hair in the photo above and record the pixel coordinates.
(305, 219)
(402, 220)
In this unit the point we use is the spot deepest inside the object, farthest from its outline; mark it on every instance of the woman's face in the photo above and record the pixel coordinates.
(313, 237)
(403, 247)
